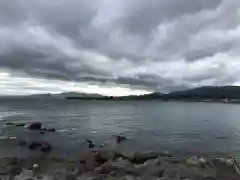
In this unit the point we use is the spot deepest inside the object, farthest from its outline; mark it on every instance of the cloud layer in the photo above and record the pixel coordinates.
(155, 45)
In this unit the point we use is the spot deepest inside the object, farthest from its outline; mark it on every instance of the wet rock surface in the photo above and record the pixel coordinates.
(112, 165)
(35, 126)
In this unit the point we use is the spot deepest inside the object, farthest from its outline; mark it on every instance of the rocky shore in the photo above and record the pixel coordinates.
(113, 165)
(101, 163)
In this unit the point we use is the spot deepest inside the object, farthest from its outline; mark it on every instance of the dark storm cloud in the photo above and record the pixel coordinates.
(52, 65)
(209, 51)
(155, 45)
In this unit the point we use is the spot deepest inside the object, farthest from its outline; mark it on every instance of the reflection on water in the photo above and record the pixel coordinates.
(183, 127)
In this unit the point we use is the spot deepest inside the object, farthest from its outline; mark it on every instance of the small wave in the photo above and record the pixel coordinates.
(3, 137)
(62, 130)
(13, 137)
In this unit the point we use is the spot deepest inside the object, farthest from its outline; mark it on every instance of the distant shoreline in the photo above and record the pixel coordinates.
(231, 101)
(217, 94)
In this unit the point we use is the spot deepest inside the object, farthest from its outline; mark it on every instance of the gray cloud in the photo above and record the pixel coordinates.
(145, 15)
(156, 45)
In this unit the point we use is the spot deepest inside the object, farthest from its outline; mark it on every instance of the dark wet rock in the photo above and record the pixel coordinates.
(34, 145)
(35, 126)
(51, 130)
(22, 143)
(119, 139)
(45, 147)
(20, 125)
(48, 130)
(90, 144)
(9, 123)
(89, 141)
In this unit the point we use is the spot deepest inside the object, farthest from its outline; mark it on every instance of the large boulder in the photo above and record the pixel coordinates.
(35, 126)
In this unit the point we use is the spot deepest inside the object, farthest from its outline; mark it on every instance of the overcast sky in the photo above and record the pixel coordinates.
(118, 47)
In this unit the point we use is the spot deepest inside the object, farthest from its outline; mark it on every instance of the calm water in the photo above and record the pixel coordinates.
(176, 126)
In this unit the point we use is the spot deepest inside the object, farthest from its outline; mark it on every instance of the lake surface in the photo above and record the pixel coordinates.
(187, 128)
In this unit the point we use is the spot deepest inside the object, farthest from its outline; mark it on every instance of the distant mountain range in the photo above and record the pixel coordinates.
(206, 93)
(229, 94)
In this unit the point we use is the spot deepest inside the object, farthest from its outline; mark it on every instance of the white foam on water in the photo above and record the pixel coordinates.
(62, 130)
(13, 137)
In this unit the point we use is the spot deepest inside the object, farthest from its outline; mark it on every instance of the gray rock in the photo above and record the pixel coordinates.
(103, 156)
(148, 170)
(172, 173)
(26, 174)
(90, 177)
(45, 178)
(139, 157)
(128, 177)
(120, 166)
(157, 161)
(71, 176)
(90, 161)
